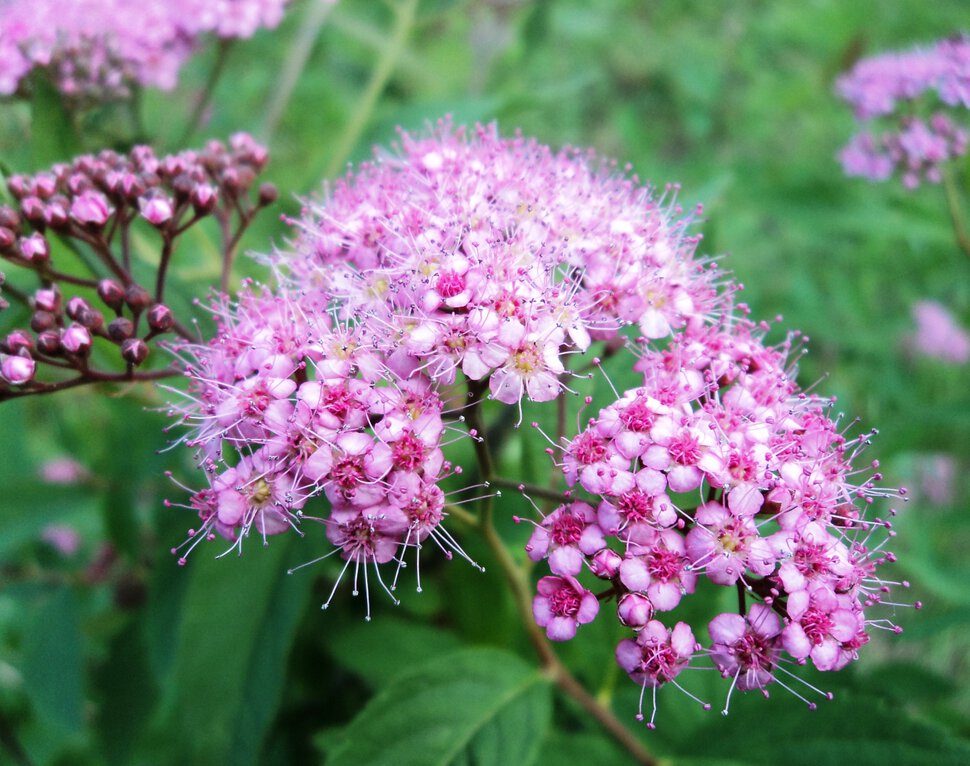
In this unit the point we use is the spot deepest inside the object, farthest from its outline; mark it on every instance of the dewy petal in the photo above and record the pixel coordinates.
(664, 595)
(634, 574)
(541, 611)
(795, 641)
(682, 639)
(562, 628)
(629, 655)
(845, 624)
(589, 607)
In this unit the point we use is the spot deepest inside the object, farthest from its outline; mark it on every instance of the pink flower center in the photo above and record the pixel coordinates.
(587, 449)
(635, 506)
(338, 401)
(527, 359)
(684, 450)
(450, 284)
(754, 652)
(407, 453)
(564, 602)
(664, 565)
(567, 529)
(638, 416)
(348, 473)
(817, 625)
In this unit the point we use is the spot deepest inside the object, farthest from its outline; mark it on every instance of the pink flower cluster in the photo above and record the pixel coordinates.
(96, 50)
(717, 468)
(466, 259)
(938, 334)
(920, 93)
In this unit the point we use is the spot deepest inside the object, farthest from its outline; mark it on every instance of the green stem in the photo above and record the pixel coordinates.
(404, 13)
(532, 490)
(299, 53)
(956, 216)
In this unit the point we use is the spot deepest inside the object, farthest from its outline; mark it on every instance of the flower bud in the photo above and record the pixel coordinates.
(35, 248)
(17, 370)
(56, 214)
(9, 218)
(42, 320)
(160, 318)
(47, 299)
(267, 194)
(7, 238)
(606, 564)
(76, 340)
(134, 350)
(33, 210)
(44, 186)
(137, 297)
(634, 610)
(91, 319)
(75, 306)
(17, 341)
(91, 208)
(157, 210)
(120, 329)
(49, 342)
(204, 199)
(17, 186)
(111, 293)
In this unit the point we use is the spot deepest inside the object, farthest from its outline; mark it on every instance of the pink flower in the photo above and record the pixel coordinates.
(746, 648)
(562, 605)
(658, 654)
(821, 624)
(938, 335)
(17, 370)
(565, 536)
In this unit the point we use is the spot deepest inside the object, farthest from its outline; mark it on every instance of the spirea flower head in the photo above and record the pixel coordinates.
(912, 111)
(95, 50)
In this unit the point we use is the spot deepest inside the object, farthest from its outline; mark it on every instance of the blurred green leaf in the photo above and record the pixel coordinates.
(53, 667)
(53, 137)
(239, 618)
(476, 706)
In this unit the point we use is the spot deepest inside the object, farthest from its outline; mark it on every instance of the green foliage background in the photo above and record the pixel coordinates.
(115, 655)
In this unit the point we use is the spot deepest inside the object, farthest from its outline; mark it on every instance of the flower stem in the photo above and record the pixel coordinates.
(519, 585)
(296, 61)
(404, 13)
(532, 490)
(205, 98)
(956, 216)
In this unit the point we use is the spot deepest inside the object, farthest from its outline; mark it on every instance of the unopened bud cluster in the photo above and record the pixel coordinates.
(67, 244)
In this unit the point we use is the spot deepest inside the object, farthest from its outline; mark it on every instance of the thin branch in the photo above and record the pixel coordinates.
(205, 98)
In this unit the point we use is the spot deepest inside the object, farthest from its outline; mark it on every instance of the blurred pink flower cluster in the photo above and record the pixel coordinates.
(910, 106)
(96, 50)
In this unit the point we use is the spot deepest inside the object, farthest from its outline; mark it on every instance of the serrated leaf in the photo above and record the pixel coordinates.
(53, 665)
(239, 619)
(476, 706)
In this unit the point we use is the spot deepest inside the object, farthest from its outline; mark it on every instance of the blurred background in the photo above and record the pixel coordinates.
(110, 653)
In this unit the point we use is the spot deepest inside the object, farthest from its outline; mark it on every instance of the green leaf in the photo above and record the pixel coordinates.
(53, 134)
(567, 747)
(378, 651)
(476, 706)
(53, 665)
(239, 618)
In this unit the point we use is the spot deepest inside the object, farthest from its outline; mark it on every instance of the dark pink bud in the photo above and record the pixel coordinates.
(634, 610)
(17, 186)
(134, 350)
(76, 340)
(7, 238)
(75, 306)
(91, 319)
(19, 340)
(9, 218)
(606, 564)
(204, 198)
(137, 297)
(120, 329)
(35, 248)
(47, 299)
(49, 342)
(44, 185)
(91, 209)
(33, 209)
(111, 293)
(267, 194)
(17, 370)
(42, 320)
(157, 210)
(56, 214)
(160, 318)
(78, 184)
